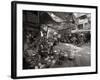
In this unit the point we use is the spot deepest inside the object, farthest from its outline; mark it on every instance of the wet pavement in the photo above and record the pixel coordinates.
(81, 58)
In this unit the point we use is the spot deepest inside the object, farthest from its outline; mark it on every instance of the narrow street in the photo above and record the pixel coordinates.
(82, 58)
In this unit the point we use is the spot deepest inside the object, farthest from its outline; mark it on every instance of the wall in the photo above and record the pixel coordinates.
(5, 40)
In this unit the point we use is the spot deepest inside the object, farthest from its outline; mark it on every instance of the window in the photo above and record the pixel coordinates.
(80, 26)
